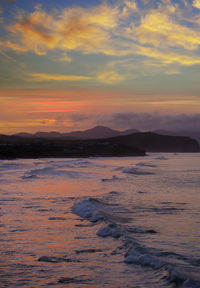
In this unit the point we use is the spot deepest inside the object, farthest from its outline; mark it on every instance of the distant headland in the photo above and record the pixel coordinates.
(98, 141)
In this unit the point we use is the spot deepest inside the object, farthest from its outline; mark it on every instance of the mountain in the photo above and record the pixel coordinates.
(192, 134)
(98, 132)
(48, 135)
(128, 132)
(152, 142)
(16, 147)
(43, 135)
(128, 145)
(24, 135)
(101, 132)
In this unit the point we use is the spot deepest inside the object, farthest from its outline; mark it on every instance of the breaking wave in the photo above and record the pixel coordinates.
(136, 171)
(115, 226)
(49, 171)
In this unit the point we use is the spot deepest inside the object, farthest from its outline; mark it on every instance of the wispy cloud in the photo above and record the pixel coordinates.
(196, 3)
(64, 58)
(110, 77)
(167, 57)
(153, 121)
(76, 28)
(39, 77)
(108, 30)
(159, 29)
(129, 34)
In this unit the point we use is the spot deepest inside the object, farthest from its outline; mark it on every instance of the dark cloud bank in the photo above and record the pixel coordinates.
(148, 121)
(143, 121)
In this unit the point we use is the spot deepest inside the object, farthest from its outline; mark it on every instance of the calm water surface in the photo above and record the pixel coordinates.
(101, 222)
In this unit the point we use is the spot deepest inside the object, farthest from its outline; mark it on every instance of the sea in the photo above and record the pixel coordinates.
(123, 222)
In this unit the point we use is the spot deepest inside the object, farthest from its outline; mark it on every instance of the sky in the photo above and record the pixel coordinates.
(68, 65)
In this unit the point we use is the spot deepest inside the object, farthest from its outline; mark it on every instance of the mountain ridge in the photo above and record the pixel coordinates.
(97, 132)
(135, 144)
(102, 132)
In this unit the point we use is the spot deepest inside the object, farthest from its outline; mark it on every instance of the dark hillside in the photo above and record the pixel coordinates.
(152, 142)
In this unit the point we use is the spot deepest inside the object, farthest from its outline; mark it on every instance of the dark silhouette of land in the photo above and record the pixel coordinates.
(153, 142)
(98, 132)
(193, 134)
(99, 141)
(16, 147)
(101, 132)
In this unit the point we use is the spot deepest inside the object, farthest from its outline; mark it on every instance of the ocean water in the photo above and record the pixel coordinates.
(101, 222)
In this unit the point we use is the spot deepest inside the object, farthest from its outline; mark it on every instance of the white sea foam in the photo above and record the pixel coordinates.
(49, 171)
(29, 177)
(12, 166)
(180, 278)
(74, 163)
(144, 260)
(89, 208)
(161, 158)
(146, 164)
(114, 177)
(136, 171)
(140, 230)
(111, 230)
(95, 210)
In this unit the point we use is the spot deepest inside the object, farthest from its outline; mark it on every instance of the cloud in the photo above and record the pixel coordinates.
(34, 33)
(131, 4)
(168, 57)
(118, 30)
(129, 8)
(110, 77)
(64, 58)
(153, 121)
(15, 46)
(40, 77)
(75, 28)
(79, 117)
(142, 121)
(107, 77)
(172, 72)
(185, 2)
(196, 4)
(160, 30)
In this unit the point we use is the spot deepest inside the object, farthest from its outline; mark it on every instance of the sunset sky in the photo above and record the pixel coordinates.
(67, 65)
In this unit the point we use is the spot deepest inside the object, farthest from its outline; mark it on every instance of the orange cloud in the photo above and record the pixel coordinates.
(52, 111)
(196, 4)
(110, 77)
(107, 30)
(39, 77)
(64, 58)
(74, 29)
(14, 46)
(35, 32)
(159, 30)
(168, 57)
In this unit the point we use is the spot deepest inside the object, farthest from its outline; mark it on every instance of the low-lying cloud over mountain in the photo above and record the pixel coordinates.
(141, 121)
(147, 121)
